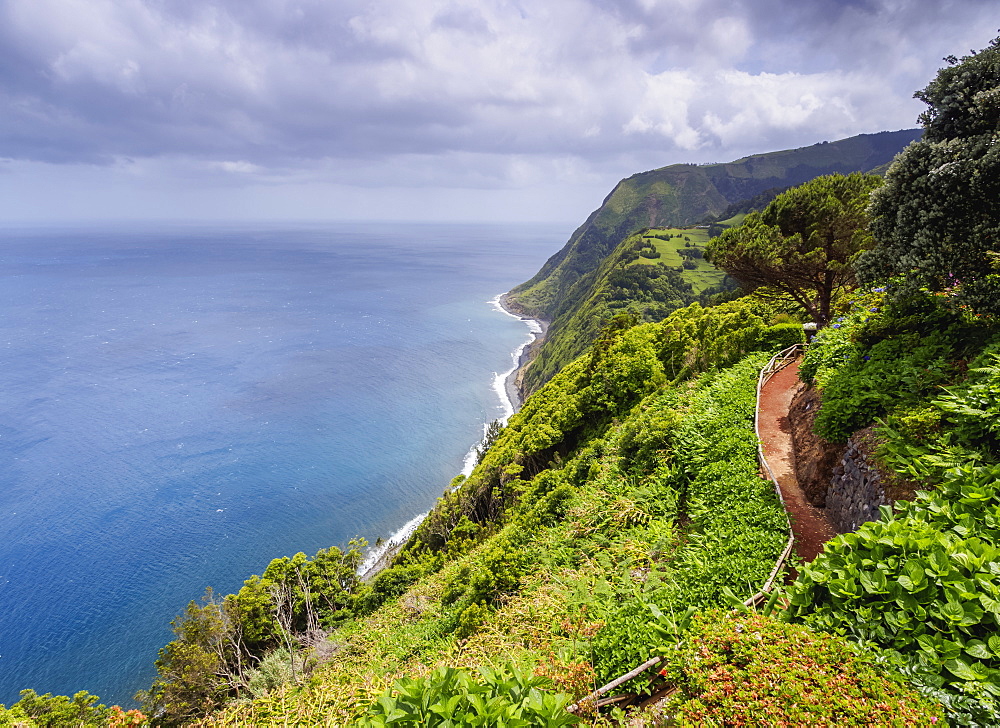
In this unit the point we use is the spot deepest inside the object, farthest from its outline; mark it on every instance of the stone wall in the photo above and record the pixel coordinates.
(815, 458)
(855, 492)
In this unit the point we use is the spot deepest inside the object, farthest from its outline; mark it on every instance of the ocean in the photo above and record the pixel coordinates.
(181, 404)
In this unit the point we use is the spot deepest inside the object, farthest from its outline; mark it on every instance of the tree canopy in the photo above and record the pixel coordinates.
(802, 244)
(937, 218)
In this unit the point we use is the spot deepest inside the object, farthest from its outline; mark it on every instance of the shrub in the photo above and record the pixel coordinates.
(880, 358)
(735, 526)
(33, 709)
(751, 670)
(391, 582)
(924, 583)
(781, 336)
(276, 669)
(456, 698)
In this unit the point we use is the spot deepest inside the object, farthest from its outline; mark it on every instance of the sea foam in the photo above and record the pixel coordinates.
(378, 554)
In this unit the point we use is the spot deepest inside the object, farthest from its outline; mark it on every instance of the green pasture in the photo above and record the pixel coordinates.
(667, 241)
(732, 221)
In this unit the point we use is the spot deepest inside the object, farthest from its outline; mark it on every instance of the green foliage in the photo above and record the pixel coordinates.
(492, 433)
(780, 336)
(218, 642)
(802, 245)
(678, 249)
(624, 369)
(314, 592)
(695, 339)
(936, 219)
(451, 698)
(665, 453)
(647, 435)
(496, 569)
(886, 355)
(391, 582)
(278, 668)
(736, 527)
(191, 678)
(901, 371)
(645, 293)
(53, 711)
(745, 669)
(972, 410)
(619, 287)
(925, 581)
(624, 365)
(954, 430)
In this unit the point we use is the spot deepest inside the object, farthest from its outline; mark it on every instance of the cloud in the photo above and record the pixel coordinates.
(408, 91)
(765, 110)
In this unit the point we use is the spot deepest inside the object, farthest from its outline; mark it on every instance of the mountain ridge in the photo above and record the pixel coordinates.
(675, 196)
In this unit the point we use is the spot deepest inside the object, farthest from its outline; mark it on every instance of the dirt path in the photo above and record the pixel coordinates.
(809, 524)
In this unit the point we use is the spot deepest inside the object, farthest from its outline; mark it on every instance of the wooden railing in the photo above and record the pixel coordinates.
(778, 362)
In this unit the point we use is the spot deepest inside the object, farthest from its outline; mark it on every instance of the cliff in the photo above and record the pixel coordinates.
(669, 197)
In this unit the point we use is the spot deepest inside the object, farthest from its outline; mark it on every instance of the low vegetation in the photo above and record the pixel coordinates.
(924, 581)
(682, 249)
(748, 669)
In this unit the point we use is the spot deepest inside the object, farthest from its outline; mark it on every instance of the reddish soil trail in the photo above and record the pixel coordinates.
(809, 524)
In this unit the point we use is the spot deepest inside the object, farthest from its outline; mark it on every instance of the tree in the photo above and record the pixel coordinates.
(220, 642)
(192, 670)
(937, 219)
(46, 710)
(801, 246)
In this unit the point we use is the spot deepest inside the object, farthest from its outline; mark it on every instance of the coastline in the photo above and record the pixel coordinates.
(382, 554)
(507, 387)
(538, 329)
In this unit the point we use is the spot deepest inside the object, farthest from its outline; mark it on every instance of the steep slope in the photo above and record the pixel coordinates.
(678, 195)
(627, 283)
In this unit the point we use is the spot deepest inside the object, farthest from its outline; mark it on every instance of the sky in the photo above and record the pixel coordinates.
(492, 110)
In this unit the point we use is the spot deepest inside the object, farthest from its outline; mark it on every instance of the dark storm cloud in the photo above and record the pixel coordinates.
(289, 85)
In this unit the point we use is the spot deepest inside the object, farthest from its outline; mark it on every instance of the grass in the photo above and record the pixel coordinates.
(732, 221)
(668, 241)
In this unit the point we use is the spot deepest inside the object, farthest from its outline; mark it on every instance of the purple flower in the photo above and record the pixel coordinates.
(836, 326)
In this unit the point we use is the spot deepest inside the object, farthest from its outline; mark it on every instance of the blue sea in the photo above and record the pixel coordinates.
(179, 405)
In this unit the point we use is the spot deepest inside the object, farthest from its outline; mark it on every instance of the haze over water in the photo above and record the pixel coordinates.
(179, 406)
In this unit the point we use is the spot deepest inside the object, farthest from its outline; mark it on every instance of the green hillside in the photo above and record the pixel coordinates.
(677, 245)
(676, 196)
(684, 194)
(644, 279)
(590, 509)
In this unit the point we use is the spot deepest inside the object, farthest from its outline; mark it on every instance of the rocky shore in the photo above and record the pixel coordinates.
(515, 382)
